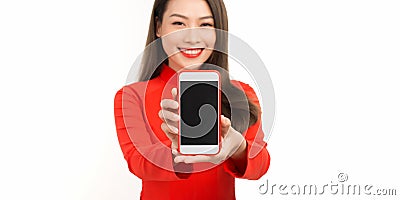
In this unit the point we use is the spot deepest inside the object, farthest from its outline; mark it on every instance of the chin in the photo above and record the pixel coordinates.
(193, 64)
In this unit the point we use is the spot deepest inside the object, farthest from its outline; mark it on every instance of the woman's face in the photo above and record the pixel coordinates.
(187, 32)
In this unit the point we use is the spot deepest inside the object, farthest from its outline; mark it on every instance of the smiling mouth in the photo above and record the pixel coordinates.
(191, 52)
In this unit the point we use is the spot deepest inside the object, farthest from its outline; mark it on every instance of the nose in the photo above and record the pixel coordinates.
(192, 36)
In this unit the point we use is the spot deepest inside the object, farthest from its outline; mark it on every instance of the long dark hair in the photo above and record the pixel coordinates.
(154, 56)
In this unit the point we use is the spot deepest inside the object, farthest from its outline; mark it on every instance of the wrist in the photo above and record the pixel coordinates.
(241, 151)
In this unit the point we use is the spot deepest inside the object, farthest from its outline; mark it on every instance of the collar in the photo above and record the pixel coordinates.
(167, 73)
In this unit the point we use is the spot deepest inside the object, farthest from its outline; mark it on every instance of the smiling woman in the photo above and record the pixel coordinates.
(184, 35)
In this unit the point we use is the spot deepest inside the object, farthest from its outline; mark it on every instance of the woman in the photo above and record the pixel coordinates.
(185, 32)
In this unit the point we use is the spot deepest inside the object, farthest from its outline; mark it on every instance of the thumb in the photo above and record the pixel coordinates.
(225, 122)
(225, 125)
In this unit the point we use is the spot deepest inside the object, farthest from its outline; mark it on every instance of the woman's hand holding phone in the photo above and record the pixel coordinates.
(169, 116)
(233, 145)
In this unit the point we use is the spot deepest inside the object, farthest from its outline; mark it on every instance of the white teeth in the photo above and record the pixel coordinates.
(192, 52)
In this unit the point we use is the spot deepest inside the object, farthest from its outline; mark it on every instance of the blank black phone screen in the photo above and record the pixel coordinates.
(199, 112)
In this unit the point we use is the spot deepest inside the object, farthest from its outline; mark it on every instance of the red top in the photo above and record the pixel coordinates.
(147, 150)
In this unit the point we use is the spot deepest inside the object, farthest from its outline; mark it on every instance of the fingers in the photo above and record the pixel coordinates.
(216, 159)
(222, 155)
(174, 93)
(169, 104)
(174, 140)
(172, 133)
(170, 122)
(175, 152)
(168, 115)
(169, 128)
(192, 159)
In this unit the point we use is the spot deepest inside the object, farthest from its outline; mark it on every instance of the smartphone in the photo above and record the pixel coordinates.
(199, 109)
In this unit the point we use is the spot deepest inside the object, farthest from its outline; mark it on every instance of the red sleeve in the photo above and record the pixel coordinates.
(258, 158)
(140, 147)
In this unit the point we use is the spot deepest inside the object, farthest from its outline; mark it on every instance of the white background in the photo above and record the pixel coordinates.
(334, 66)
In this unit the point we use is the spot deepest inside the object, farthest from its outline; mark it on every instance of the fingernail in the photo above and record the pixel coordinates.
(175, 129)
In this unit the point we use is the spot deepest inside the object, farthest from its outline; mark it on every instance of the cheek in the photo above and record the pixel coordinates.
(170, 41)
(211, 42)
(209, 38)
(207, 53)
(169, 46)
